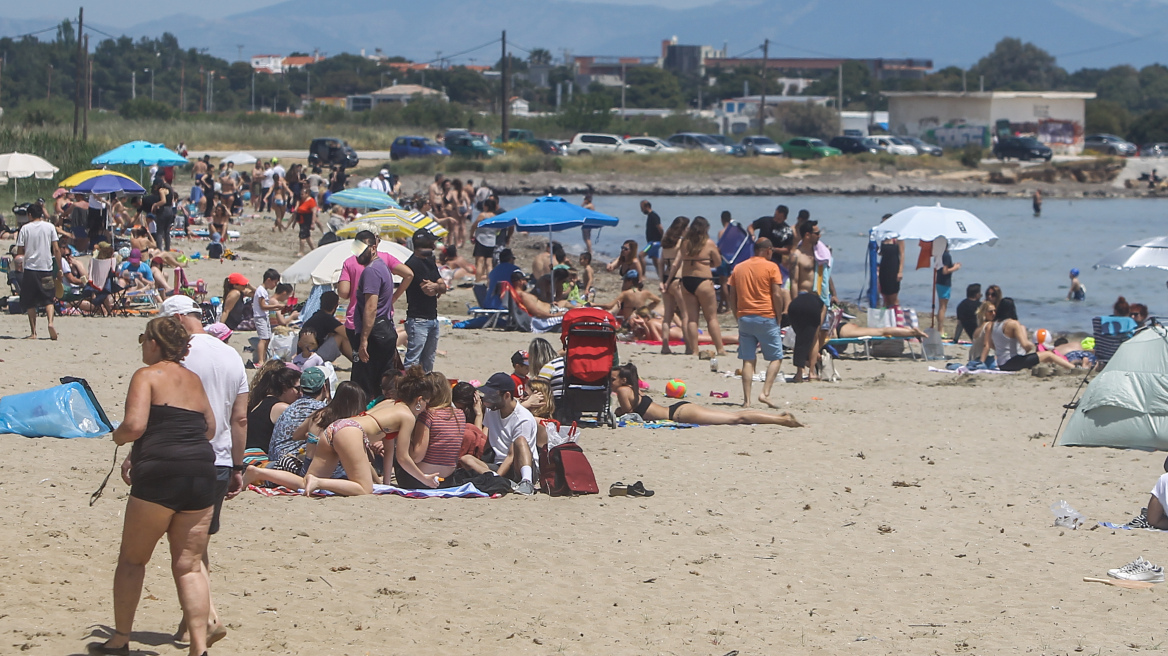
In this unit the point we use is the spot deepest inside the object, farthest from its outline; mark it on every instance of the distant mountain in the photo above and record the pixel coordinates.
(1082, 33)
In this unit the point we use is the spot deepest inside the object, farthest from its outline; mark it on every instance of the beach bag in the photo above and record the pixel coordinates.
(474, 442)
(282, 347)
(564, 471)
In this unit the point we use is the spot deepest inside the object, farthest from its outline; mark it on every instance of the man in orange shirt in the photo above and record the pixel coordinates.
(758, 299)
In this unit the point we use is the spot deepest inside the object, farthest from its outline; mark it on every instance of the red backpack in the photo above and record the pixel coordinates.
(564, 471)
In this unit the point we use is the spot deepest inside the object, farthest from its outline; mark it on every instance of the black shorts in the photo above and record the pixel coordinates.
(177, 493)
(95, 224)
(1019, 362)
(222, 482)
(484, 251)
(32, 294)
(305, 230)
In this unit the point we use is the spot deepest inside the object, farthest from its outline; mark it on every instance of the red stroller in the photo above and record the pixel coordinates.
(589, 338)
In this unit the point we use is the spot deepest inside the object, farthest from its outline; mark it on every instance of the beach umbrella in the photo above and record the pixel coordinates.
(109, 184)
(549, 214)
(22, 165)
(393, 224)
(78, 178)
(323, 265)
(142, 153)
(1141, 253)
(239, 158)
(363, 198)
(926, 223)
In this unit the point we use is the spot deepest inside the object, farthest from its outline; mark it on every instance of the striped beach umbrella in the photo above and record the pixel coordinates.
(393, 224)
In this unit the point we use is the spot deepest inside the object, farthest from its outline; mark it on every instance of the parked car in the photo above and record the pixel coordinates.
(696, 141)
(853, 133)
(591, 143)
(890, 144)
(523, 136)
(330, 151)
(1109, 144)
(463, 143)
(853, 145)
(736, 149)
(1023, 148)
(549, 147)
(922, 147)
(760, 145)
(1154, 150)
(655, 145)
(415, 146)
(808, 148)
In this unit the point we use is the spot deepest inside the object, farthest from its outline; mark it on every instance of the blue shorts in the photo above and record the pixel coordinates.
(943, 291)
(652, 250)
(755, 331)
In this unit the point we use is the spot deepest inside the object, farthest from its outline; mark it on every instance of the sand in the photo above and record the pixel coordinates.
(764, 540)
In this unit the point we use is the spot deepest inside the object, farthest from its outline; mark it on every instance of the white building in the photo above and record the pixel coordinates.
(270, 64)
(399, 93)
(954, 118)
(738, 116)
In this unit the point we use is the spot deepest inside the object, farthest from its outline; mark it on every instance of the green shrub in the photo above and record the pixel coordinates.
(140, 108)
(42, 113)
(971, 155)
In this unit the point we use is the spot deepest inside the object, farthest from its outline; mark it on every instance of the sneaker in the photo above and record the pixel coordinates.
(1138, 570)
(1139, 521)
(527, 488)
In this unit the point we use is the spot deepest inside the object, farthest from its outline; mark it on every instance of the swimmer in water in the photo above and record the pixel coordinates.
(1078, 291)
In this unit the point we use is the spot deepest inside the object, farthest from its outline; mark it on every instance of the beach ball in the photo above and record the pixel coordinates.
(1088, 344)
(675, 389)
(1042, 336)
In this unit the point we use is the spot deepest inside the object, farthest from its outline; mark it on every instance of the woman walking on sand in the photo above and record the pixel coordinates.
(170, 423)
(699, 257)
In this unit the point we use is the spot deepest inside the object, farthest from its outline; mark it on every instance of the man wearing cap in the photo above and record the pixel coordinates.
(634, 298)
(314, 390)
(382, 182)
(422, 303)
(37, 242)
(373, 319)
(511, 430)
(221, 371)
(757, 298)
(347, 287)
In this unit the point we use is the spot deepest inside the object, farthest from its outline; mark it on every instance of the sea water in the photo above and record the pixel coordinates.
(1031, 260)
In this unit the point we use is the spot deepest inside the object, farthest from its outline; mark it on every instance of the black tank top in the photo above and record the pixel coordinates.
(174, 444)
(889, 258)
(234, 317)
(260, 424)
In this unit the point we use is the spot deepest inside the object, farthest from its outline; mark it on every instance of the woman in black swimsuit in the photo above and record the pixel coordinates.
(699, 257)
(170, 423)
(627, 386)
(890, 269)
(273, 390)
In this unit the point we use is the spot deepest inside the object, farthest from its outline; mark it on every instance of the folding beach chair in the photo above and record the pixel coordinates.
(492, 314)
(1109, 332)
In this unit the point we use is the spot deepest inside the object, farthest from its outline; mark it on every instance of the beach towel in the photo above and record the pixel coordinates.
(1128, 527)
(963, 369)
(467, 491)
(661, 423)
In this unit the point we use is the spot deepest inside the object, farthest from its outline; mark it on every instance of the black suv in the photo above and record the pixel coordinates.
(1023, 148)
(329, 151)
(850, 145)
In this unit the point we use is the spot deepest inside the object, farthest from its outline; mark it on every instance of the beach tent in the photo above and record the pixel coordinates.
(1126, 405)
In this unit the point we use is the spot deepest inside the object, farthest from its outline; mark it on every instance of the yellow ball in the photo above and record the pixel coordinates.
(675, 389)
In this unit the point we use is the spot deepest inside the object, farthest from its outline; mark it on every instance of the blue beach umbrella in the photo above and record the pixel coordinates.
(363, 198)
(142, 153)
(549, 214)
(109, 184)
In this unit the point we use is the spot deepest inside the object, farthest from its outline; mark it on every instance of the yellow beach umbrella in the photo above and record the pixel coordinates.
(78, 178)
(393, 224)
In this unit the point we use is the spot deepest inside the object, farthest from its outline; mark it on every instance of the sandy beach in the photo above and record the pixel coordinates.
(910, 516)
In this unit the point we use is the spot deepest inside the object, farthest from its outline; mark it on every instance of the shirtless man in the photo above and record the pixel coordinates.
(436, 192)
(227, 185)
(199, 169)
(807, 310)
(633, 298)
(535, 307)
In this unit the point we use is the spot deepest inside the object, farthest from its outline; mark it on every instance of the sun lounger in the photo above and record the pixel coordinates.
(841, 342)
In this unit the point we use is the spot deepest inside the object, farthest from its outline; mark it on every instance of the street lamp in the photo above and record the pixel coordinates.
(151, 72)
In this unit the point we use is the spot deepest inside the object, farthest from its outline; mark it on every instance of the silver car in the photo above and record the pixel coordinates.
(760, 145)
(1109, 144)
(696, 141)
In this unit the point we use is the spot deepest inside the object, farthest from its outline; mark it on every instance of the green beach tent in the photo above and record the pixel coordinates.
(1126, 406)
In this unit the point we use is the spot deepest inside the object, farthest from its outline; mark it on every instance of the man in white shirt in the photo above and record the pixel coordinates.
(511, 430)
(220, 369)
(381, 182)
(37, 242)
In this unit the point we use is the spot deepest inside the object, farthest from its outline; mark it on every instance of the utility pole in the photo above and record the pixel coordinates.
(88, 93)
(253, 91)
(151, 82)
(505, 87)
(80, 72)
(766, 44)
(133, 85)
(49, 94)
(623, 86)
(182, 78)
(839, 100)
(962, 81)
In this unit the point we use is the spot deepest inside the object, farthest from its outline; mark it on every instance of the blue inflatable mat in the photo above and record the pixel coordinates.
(68, 410)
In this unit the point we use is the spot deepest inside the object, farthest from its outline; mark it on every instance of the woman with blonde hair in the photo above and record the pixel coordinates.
(672, 302)
(429, 459)
(172, 472)
(699, 257)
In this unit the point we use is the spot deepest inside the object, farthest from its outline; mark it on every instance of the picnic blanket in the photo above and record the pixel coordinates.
(468, 491)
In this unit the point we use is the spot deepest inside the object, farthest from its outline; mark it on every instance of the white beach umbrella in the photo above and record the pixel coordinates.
(239, 158)
(1141, 253)
(962, 229)
(323, 265)
(23, 165)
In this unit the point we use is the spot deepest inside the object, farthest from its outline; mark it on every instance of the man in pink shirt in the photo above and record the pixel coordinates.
(351, 273)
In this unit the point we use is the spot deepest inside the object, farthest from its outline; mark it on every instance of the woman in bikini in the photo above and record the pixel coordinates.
(347, 440)
(627, 261)
(672, 303)
(278, 196)
(626, 384)
(220, 217)
(699, 258)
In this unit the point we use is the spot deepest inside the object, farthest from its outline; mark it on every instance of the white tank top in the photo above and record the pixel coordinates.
(1005, 347)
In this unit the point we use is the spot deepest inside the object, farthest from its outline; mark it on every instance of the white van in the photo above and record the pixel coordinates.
(590, 143)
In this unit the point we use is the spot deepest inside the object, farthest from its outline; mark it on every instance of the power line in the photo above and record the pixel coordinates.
(21, 36)
(459, 54)
(90, 28)
(1109, 45)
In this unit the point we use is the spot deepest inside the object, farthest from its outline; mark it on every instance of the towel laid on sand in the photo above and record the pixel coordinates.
(468, 491)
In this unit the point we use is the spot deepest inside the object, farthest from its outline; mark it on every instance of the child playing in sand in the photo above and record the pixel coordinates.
(307, 356)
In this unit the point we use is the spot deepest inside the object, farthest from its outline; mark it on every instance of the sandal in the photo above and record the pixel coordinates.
(618, 489)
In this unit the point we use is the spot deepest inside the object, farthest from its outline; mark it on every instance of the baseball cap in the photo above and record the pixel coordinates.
(519, 357)
(312, 380)
(237, 279)
(135, 256)
(219, 331)
(176, 305)
(383, 172)
(632, 274)
(500, 382)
